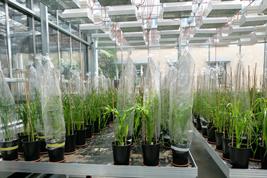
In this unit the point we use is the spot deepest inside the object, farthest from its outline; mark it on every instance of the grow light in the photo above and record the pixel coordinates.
(61, 4)
(213, 22)
(240, 31)
(252, 20)
(122, 13)
(168, 25)
(222, 9)
(177, 10)
(77, 15)
(205, 32)
(114, 2)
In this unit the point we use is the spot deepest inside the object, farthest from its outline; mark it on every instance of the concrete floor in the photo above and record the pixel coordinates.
(207, 168)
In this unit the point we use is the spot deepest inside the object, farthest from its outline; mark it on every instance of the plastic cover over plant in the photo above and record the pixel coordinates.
(52, 110)
(125, 104)
(35, 82)
(181, 101)
(151, 121)
(8, 116)
(165, 98)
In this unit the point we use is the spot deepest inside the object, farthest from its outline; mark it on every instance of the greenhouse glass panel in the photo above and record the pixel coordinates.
(21, 34)
(38, 37)
(76, 55)
(84, 56)
(65, 61)
(3, 41)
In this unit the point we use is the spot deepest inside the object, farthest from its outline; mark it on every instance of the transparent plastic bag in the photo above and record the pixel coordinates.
(181, 101)
(8, 116)
(165, 99)
(35, 82)
(151, 123)
(52, 110)
(125, 103)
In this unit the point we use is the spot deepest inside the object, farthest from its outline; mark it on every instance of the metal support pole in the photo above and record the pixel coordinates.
(96, 55)
(9, 52)
(58, 39)
(209, 53)
(44, 29)
(70, 47)
(265, 66)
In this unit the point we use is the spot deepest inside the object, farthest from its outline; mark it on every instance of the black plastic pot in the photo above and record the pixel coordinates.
(151, 154)
(31, 150)
(21, 136)
(80, 137)
(43, 149)
(56, 154)
(204, 131)
(263, 155)
(179, 156)
(211, 134)
(89, 130)
(256, 157)
(96, 127)
(166, 141)
(198, 122)
(11, 150)
(218, 137)
(70, 143)
(239, 157)
(121, 154)
(225, 147)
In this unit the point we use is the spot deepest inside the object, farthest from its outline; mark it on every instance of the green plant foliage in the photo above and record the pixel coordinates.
(179, 124)
(30, 113)
(77, 107)
(7, 116)
(148, 112)
(67, 108)
(107, 59)
(122, 127)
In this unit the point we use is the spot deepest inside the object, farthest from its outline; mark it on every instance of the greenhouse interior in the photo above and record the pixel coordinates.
(133, 88)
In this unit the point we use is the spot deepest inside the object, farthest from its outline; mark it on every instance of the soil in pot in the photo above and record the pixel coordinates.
(211, 135)
(89, 130)
(9, 150)
(180, 156)
(225, 147)
(151, 154)
(70, 143)
(121, 154)
(218, 137)
(263, 155)
(31, 150)
(56, 154)
(80, 137)
(239, 157)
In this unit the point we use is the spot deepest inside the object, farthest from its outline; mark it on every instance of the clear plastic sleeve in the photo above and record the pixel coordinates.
(8, 116)
(52, 110)
(151, 123)
(181, 101)
(126, 100)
